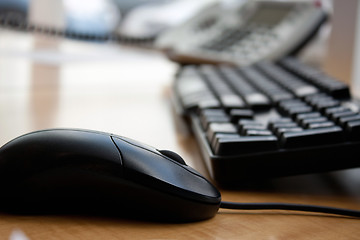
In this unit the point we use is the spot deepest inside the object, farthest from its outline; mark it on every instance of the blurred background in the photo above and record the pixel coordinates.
(335, 48)
(137, 18)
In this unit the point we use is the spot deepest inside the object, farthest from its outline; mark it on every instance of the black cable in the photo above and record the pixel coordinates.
(13, 21)
(290, 206)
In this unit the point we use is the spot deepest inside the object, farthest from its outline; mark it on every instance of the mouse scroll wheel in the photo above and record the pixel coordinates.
(173, 156)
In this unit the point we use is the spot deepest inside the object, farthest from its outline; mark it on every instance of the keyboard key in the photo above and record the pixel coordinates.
(213, 112)
(253, 98)
(194, 91)
(328, 84)
(226, 95)
(271, 89)
(208, 103)
(222, 136)
(206, 120)
(292, 103)
(353, 128)
(303, 116)
(230, 101)
(280, 120)
(292, 83)
(237, 114)
(293, 107)
(245, 144)
(245, 124)
(275, 125)
(338, 115)
(312, 137)
(325, 124)
(324, 103)
(262, 132)
(279, 131)
(332, 110)
(306, 121)
(214, 128)
(298, 110)
(343, 120)
(243, 129)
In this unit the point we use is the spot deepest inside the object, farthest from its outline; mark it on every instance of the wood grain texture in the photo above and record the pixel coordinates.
(126, 91)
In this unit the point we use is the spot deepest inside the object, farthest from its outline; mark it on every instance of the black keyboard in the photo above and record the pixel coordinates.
(268, 120)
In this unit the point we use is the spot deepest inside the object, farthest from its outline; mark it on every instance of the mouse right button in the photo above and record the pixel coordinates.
(155, 170)
(174, 156)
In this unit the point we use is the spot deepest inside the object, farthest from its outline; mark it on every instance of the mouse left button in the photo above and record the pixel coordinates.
(58, 148)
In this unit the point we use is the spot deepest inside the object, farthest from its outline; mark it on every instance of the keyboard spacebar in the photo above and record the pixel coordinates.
(312, 137)
(245, 144)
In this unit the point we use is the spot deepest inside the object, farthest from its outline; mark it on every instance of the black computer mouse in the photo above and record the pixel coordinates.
(73, 170)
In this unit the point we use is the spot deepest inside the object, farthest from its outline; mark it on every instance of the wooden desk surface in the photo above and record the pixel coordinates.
(51, 83)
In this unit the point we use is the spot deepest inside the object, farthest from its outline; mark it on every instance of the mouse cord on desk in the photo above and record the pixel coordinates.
(290, 206)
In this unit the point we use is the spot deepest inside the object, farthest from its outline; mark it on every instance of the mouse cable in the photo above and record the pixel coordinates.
(289, 206)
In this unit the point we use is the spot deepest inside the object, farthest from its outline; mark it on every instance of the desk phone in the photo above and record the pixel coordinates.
(253, 31)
